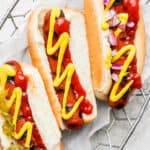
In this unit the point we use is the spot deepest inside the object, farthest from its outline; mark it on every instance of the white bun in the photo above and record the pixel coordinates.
(98, 47)
(79, 53)
(41, 110)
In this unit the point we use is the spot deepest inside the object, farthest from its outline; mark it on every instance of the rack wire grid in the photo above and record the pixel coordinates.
(141, 98)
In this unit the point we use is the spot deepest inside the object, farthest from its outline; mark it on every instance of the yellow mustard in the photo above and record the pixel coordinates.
(123, 17)
(109, 5)
(61, 45)
(5, 71)
(105, 25)
(108, 59)
(114, 96)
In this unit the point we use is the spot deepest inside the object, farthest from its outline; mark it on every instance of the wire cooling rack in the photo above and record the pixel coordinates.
(120, 119)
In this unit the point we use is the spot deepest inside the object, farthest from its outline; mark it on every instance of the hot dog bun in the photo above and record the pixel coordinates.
(98, 46)
(38, 102)
(40, 107)
(79, 53)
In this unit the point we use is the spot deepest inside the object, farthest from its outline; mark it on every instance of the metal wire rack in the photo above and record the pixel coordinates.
(126, 121)
(130, 121)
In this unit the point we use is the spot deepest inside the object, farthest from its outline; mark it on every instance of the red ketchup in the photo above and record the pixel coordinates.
(76, 90)
(25, 113)
(86, 107)
(62, 25)
(125, 38)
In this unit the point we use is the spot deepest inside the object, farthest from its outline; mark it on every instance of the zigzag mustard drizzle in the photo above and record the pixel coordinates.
(61, 45)
(123, 17)
(6, 104)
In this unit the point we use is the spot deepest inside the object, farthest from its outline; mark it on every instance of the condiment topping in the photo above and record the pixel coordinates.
(121, 18)
(66, 76)
(113, 95)
(13, 97)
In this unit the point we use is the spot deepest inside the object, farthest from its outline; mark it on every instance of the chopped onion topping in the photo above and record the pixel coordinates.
(128, 38)
(114, 52)
(106, 2)
(127, 53)
(122, 27)
(116, 67)
(114, 22)
(112, 38)
(114, 76)
(110, 14)
(130, 24)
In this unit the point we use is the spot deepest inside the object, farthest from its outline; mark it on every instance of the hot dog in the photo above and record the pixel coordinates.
(117, 48)
(59, 49)
(23, 105)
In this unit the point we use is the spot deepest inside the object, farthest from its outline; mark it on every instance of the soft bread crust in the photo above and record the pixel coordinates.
(1, 147)
(140, 43)
(79, 53)
(78, 49)
(41, 109)
(98, 45)
(61, 146)
(37, 52)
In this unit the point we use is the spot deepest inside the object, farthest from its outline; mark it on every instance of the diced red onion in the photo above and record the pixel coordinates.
(130, 24)
(122, 27)
(115, 21)
(106, 2)
(116, 67)
(112, 38)
(128, 38)
(110, 14)
(114, 76)
(127, 53)
(114, 52)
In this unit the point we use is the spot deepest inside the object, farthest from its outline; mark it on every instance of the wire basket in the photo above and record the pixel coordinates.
(119, 118)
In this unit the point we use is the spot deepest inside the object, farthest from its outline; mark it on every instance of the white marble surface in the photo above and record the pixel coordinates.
(18, 14)
(4, 5)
